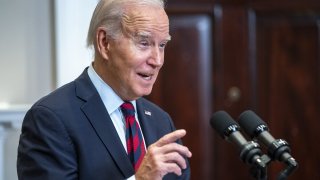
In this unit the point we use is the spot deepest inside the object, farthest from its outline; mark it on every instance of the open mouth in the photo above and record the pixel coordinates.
(145, 76)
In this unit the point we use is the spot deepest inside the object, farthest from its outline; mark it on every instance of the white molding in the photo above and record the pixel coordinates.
(12, 115)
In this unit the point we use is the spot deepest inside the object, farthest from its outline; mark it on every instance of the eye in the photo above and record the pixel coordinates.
(144, 43)
(163, 45)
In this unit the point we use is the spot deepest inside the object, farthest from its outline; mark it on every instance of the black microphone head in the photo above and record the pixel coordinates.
(252, 124)
(223, 123)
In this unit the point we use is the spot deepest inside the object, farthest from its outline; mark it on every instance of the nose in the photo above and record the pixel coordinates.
(156, 57)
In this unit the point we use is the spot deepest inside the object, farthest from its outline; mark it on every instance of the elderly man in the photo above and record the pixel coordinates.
(99, 126)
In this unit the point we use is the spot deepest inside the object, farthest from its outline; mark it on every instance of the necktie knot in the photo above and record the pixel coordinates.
(127, 109)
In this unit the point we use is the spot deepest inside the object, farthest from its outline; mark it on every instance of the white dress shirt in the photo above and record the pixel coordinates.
(112, 102)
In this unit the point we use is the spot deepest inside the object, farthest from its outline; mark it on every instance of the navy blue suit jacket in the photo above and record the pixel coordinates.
(69, 135)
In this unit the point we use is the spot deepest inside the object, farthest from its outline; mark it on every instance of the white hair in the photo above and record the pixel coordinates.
(108, 14)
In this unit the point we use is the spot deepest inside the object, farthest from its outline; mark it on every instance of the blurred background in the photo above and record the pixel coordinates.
(262, 55)
(42, 46)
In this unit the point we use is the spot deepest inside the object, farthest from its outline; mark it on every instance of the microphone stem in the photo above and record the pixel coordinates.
(292, 165)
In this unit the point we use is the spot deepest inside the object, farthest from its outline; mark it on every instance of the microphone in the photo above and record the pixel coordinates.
(228, 129)
(278, 149)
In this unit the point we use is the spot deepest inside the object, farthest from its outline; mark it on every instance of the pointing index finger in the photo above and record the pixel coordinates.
(171, 137)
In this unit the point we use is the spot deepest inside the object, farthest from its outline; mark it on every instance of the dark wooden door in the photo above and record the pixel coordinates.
(262, 55)
(184, 85)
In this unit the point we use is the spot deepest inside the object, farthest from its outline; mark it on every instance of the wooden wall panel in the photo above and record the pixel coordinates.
(231, 84)
(288, 86)
(184, 86)
(229, 55)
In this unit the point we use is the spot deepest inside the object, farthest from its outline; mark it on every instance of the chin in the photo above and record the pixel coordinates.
(140, 91)
(145, 92)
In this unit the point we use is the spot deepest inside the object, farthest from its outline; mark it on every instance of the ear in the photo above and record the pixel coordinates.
(102, 42)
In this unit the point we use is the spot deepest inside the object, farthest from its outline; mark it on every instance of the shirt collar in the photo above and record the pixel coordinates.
(109, 98)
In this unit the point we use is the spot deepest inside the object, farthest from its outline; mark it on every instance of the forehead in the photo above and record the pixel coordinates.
(146, 19)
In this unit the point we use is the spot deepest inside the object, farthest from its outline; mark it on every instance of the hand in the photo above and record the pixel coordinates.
(163, 157)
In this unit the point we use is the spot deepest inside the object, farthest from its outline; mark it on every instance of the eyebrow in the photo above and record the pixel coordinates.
(144, 34)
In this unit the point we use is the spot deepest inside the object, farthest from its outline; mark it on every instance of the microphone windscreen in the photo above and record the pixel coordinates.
(250, 121)
(221, 121)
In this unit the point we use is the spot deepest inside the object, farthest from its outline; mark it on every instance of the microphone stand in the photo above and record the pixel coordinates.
(292, 165)
(260, 171)
(279, 149)
(251, 154)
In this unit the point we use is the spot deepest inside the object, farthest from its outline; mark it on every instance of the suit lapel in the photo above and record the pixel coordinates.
(147, 123)
(102, 124)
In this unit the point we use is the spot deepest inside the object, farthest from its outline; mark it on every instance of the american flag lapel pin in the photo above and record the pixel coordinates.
(146, 112)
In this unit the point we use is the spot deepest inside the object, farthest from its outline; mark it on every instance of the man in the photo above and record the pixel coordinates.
(80, 131)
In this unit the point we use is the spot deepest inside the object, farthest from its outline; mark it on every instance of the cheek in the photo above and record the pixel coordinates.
(131, 57)
(125, 59)
(138, 58)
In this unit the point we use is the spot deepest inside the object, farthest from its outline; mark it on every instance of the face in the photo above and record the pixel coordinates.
(135, 58)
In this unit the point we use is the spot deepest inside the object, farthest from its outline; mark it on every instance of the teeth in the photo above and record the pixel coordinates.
(145, 76)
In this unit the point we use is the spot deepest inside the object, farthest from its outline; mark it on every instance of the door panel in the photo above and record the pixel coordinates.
(288, 69)
(183, 87)
(262, 55)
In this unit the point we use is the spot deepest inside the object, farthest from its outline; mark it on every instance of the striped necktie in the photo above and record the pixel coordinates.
(135, 145)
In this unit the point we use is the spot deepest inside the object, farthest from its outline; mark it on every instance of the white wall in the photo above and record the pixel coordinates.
(72, 23)
(31, 64)
(25, 65)
(25, 50)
